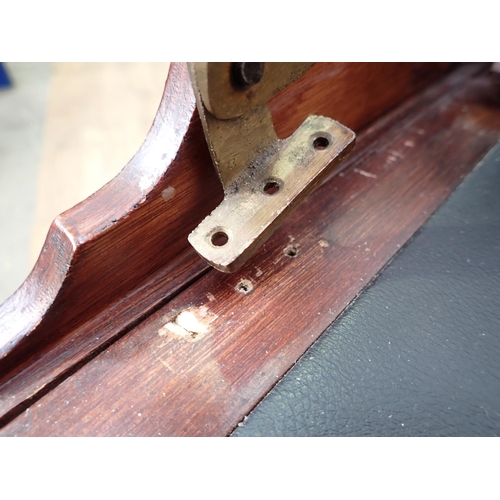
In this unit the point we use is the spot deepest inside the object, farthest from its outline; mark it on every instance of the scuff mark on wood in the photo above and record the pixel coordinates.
(168, 193)
(365, 174)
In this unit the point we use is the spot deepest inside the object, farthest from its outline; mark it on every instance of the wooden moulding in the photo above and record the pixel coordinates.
(90, 249)
(123, 254)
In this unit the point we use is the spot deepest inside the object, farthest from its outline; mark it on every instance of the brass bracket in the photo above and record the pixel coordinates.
(264, 178)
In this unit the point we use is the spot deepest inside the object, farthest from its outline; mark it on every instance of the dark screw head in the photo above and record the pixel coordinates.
(246, 74)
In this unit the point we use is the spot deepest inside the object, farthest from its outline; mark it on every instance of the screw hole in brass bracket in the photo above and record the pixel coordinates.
(264, 178)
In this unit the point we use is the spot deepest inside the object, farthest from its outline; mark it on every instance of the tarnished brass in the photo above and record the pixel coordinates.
(225, 100)
(264, 178)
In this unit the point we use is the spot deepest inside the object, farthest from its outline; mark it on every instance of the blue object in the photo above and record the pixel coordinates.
(4, 77)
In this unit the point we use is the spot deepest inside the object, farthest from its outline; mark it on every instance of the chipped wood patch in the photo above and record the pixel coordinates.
(190, 324)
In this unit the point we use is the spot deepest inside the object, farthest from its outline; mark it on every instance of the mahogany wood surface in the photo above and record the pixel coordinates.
(97, 117)
(122, 253)
(259, 321)
(109, 245)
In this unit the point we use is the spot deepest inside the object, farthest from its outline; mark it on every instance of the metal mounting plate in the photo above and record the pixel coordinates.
(264, 178)
(270, 188)
(225, 101)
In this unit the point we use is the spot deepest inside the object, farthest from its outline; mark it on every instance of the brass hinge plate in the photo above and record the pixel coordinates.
(264, 178)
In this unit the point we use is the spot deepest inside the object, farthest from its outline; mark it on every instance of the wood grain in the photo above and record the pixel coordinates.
(354, 94)
(157, 381)
(115, 258)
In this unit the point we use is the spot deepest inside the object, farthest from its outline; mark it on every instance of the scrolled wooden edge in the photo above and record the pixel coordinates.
(105, 246)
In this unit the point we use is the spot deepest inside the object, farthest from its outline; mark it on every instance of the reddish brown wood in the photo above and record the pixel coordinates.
(108, 245)
(351, 93)
(121, 254)
(152, 382)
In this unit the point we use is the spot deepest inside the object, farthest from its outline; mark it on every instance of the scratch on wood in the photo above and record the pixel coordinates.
(165, 364)
(397, 154)
(364, 173)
